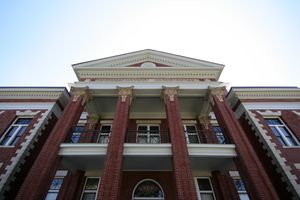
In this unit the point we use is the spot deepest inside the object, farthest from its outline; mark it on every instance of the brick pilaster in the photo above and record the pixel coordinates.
(257, 182)
(224, 186)
(112, 173)
(38, 179)
(185, 185)
(90, 134)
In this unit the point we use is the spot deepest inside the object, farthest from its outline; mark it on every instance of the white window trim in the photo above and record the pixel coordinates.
(235, 175)
(192, 134)
(148, 134)
(154, 198)
(60, 174)
(286, 141)
(104, 134)
(218, 133)
(83, 190)
(8, 143)
(204, 191)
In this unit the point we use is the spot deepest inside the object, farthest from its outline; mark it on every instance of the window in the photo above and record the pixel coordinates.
(191, 134)
(90, 188)
(78, 130)
(204, 189)
(15, 131)
(219, 135)
(54, 188)
(148, 189)
(281, 131)
(105, 131)
(240, 187)
(148, 134)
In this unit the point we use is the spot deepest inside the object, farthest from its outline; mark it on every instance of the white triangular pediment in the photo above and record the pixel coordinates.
(139, 58)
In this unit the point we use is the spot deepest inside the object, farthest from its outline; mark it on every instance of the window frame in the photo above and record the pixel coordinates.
(199, 192)
(103, 134)
(282, 136)
(187, 134)
(147, 198)
(14, 135)
(148, 134)
(90, 191)
(77, 135)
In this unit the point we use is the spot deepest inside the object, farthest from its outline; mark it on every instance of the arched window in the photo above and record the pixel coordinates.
(148, 189)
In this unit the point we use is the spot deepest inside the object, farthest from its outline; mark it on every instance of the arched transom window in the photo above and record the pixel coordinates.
(148, 189)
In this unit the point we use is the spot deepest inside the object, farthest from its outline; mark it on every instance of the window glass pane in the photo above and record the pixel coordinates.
(239, 185)
(23, 121)
(89, 196)
(105, 129)
(142, 139)
(154, 129)
(217, 129)
(51, 196)
(148, 189)
(154, 139)
(207, 196)
(204, 184)
(91, 184)
(56, 183)
(21, 130)
(79, 129)
(191, 129)
(75, 137)
(104, 139)
(273, 121)
(244, 197)
(142, 129)
(193, 139)
(275, 131)
(12, 130)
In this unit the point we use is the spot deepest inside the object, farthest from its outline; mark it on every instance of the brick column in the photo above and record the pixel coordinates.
(182, 168)
(39, 178)
(224, 186)
(207, 133)
(251, 169)
(112, 173)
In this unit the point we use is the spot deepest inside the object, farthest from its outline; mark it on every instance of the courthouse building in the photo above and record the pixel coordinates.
(149, 125)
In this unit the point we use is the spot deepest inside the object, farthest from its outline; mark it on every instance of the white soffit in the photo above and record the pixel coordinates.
(278, 93)
(127, 66)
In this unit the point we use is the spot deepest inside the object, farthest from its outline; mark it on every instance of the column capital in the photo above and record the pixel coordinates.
(81, 91)
(125, 92)
(92, 120)
(216, 91)
(170, 92)
(204, 120)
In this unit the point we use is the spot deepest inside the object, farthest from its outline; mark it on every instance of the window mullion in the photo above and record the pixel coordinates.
(13, 136)
(287, 142)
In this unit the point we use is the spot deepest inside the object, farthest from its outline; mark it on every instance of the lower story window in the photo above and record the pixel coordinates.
(240, 187)
(54, 188)
(204, 189)
(148, 189)
(90, 189)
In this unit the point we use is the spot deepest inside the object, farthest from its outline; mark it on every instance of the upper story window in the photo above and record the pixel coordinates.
(219, 135)
(148, 134)
(148, 189)
(15, 131)
(204, 189)
(54, 188)
(78, 130)
(281, 131)
(90, 189)
(191, 133)
(240, 187)
(105, 131)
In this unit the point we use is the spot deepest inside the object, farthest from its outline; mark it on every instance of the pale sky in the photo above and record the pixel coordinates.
(257, 41)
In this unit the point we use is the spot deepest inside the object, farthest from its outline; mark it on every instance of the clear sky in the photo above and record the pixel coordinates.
(257, 41)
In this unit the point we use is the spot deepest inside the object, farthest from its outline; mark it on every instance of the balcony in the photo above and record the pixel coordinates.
(86, 150)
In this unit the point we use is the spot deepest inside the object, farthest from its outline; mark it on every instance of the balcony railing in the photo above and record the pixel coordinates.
(145, 137)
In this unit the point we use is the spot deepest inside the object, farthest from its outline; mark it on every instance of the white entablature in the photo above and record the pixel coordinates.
(147, 64)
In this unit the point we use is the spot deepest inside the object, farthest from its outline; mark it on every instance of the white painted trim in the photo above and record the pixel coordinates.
(187, 122)
(212, 150)
(26, 105)
(61, 173)
(272, 105)
(147, 122)
(234, 174)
